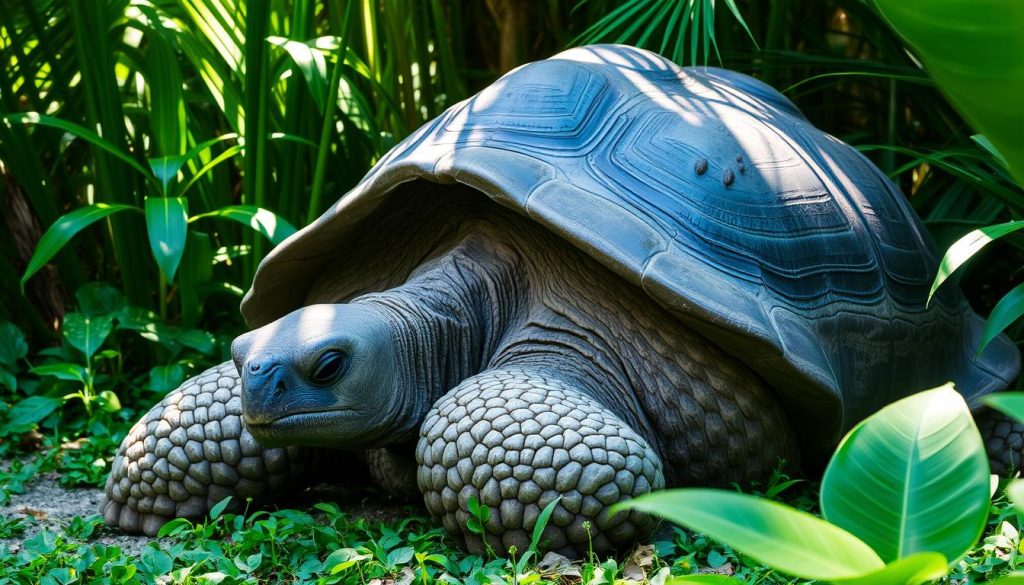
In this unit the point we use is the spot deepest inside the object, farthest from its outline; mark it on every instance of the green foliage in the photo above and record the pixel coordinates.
(792, 541)
(970, 51)
(637, 21)
(909, 483)
(896, 468)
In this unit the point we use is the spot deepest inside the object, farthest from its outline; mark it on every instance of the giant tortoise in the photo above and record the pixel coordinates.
(600, 276)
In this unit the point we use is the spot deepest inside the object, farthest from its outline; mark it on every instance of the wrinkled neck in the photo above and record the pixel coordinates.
(447, 320)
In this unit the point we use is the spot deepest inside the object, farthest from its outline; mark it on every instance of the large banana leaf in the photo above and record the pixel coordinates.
(911, 478)
(973, 48)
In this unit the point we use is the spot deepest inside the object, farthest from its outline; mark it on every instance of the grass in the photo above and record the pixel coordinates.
(324, 544)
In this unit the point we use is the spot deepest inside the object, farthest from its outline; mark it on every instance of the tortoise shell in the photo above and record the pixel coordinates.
(711, 192)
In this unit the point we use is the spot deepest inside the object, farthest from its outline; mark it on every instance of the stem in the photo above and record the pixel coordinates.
(328, 125)
(257, 94)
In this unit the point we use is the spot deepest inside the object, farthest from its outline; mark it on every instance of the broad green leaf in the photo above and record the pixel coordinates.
(1011, 579)
(87, 333)
(166, 378)
(13, 346)
(963, 249)
(972, 48)
(916, 569)
(400, 556)
(1009, 403)
(79, 131)
(1007, 310)
(167, 100)
(61, 371)
(62, 230)
(167, 224)
(30, 411)
(792, 541)
(201, 341)
(911, 478)
(266, 222)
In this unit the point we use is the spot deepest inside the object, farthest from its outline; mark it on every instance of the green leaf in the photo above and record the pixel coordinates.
(963, 249)
(8, 380)
(916, 569)
(1009, 403)
(167, 224)
(542, 522)
(311, 63)
(62, 230)
(990, 148)
(219, 507)
(1007, 310)
(1011, 579)
(174, 527)
(165, 169)
(911, 478)
(108, 401)
(87, 333)
(166, 378)
(400, 556)
(156, 561)
(266, 222)
(79, 131)
(972, 48)
(771, 533)
(61, 371)
(30, 411)
(13, 346)
(201, 341)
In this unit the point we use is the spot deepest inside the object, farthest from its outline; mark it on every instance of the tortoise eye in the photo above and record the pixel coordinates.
(329, 367)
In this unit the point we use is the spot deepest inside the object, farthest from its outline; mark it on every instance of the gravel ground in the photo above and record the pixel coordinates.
(52, 506)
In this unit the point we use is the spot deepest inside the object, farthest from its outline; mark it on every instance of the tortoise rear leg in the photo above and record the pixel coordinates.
(516, 439)
(191, 451)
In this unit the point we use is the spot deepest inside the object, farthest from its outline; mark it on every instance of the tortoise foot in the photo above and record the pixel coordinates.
(515, 440)
(190, 452)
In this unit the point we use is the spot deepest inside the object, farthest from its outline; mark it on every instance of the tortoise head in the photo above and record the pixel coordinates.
(323, 375)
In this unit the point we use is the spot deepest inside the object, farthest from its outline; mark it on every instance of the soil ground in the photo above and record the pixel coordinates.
(52, 506)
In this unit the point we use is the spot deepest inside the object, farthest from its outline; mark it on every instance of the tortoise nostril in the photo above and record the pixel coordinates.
(254, 366)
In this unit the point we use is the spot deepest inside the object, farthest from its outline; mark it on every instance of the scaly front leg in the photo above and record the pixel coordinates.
(191, 451)
(515, 439)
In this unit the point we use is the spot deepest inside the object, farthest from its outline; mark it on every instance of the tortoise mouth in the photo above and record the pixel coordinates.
(301, 428)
